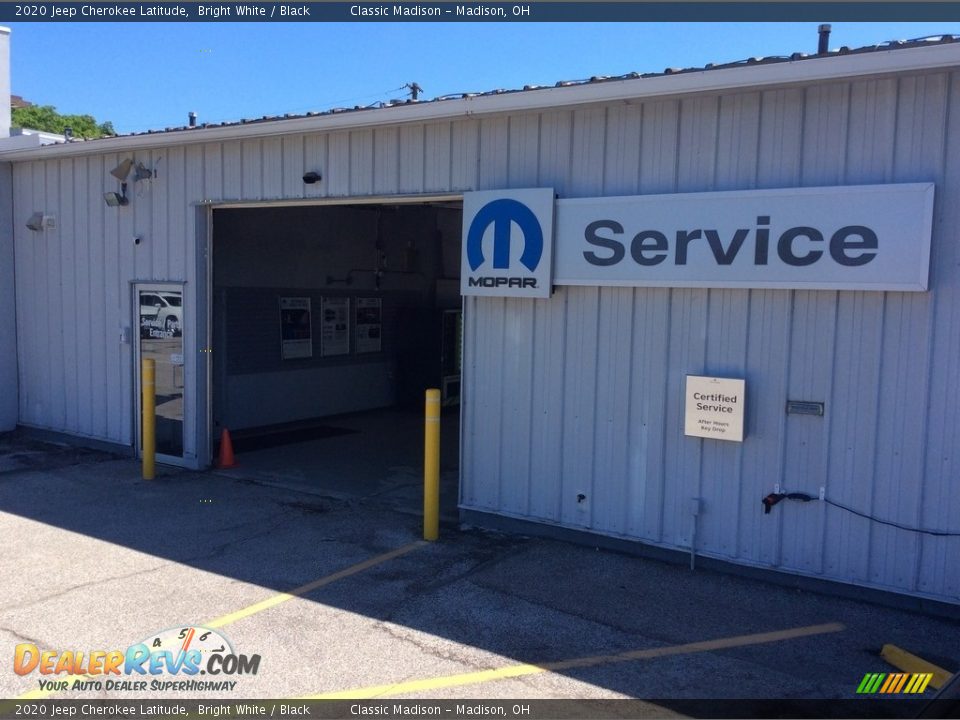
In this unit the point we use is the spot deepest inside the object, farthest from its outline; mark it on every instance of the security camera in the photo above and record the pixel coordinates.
(311, 177)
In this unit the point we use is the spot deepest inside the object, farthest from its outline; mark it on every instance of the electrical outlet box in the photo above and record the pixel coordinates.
(823, 492)
(776, 488)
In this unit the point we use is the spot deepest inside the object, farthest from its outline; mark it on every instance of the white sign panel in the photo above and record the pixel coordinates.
(296, 334)
(335, 326)
(369, 324)
(714, 408)
(507, 243)
(868, 237)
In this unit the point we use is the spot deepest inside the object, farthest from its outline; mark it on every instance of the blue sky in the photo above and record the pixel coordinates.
(150, 75)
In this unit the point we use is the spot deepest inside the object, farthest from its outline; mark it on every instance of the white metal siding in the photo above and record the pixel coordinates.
(9, 403)
(73, 292)
(583, 393)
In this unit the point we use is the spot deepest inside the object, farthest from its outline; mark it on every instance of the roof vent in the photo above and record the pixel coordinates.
(824, 42)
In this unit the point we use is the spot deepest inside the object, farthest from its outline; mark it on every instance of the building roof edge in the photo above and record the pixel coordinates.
(757, 74)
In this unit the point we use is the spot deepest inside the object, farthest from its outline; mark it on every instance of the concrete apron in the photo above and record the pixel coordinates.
(379, 459)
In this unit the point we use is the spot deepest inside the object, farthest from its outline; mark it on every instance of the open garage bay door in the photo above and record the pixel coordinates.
(329, 322)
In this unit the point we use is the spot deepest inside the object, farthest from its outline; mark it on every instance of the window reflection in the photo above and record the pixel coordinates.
(161, 339)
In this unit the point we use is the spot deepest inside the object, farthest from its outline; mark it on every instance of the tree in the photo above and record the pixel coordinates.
(46, 118)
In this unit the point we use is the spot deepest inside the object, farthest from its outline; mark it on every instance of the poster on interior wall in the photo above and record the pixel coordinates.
(296, 334)
(369, 324)
(335, 328)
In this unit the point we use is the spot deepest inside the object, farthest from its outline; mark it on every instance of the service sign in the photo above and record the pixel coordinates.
(867, 237)
(507, 243)
(714, 408)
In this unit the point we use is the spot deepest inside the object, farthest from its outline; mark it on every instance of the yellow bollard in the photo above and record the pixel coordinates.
(148, 426)
(431, 467)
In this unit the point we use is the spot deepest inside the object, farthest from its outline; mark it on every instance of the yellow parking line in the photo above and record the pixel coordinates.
(304, 589)
(270, 602)
(511, 671)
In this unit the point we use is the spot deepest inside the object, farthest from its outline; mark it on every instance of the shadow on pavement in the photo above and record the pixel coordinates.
(531, 601)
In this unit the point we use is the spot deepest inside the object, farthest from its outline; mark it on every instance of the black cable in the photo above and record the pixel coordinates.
(936, 533)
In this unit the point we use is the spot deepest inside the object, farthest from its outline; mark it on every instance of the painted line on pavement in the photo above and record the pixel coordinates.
(268, 603)
(512, 671)
(304, 589)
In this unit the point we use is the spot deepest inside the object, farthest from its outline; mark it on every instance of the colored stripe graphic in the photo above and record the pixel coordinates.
(927, 677)
(901, 682)
(891, 680)
(894, 683)
(898, 680)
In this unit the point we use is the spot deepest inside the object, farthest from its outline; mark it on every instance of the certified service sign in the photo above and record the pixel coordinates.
(714, 408)
(508, 243)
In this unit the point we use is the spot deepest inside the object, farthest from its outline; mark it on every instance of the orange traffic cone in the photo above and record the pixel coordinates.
(226, 451)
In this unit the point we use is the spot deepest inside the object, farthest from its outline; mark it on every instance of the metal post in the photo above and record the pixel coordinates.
(695, 511)
(431, 466)
(148, 443)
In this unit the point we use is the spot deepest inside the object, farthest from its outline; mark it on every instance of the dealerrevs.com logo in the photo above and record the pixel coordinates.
(508, 242)
(170, 660)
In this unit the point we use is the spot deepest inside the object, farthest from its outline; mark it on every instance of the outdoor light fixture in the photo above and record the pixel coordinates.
(40, 221)
(35, 222)
(121, 171)
(312, 177)
(117, 199)
(141, 172)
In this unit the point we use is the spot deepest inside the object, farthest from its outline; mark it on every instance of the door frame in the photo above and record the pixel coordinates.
(136, 286)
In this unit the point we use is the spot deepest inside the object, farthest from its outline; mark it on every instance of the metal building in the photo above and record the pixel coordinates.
(573, 405)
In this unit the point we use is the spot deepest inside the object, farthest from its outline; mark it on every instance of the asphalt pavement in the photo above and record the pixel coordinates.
(339, 597)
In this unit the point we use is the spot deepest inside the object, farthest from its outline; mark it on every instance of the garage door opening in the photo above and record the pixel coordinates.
(329, 323)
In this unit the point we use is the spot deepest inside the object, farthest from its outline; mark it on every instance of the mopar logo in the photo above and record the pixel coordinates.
(512, 282)
(507, 243)
(502, 214)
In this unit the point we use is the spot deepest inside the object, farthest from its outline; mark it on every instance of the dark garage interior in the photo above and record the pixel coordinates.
(329, 323)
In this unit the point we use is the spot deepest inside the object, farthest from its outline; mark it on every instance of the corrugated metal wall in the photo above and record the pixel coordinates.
(583, 393)
(73, 282)
(73, 286)
(9, 404)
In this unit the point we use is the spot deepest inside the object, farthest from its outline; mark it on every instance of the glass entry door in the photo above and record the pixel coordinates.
(159, 315)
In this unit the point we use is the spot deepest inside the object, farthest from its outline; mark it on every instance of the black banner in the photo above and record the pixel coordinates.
(463, 709)
(476, 11)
